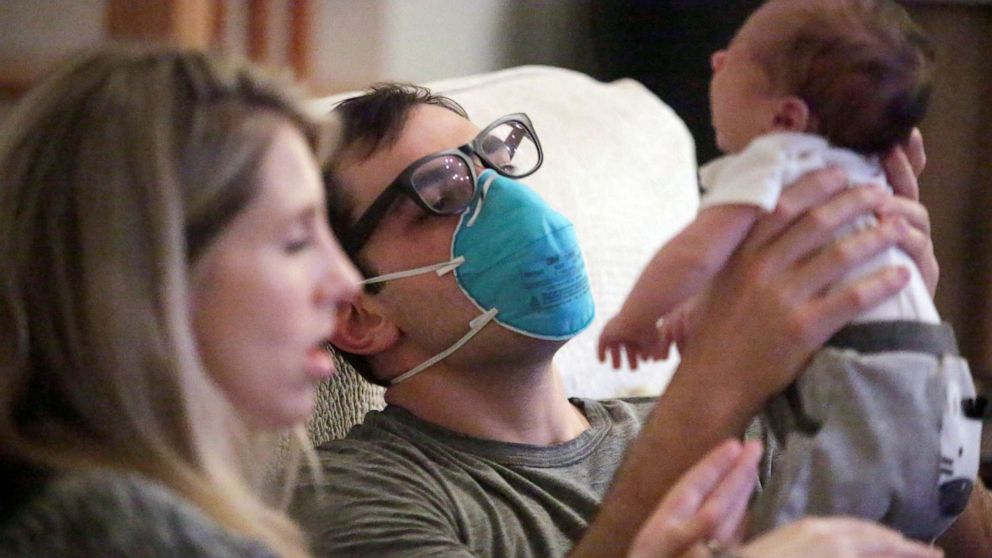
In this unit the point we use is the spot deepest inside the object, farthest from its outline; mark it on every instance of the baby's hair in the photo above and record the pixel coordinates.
(862, 66)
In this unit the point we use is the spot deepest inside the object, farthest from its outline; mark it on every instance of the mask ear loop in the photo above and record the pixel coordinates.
(475, 326)
(439, 268)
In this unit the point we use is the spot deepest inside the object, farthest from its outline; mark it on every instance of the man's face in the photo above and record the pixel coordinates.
(431, 311)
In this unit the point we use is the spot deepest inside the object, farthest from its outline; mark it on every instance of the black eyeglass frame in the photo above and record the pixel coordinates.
(358, 234)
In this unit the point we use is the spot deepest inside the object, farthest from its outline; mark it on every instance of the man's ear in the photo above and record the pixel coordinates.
(362, 330)
(792, 115)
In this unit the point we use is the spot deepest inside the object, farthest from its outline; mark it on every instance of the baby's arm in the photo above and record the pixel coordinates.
(677, 272)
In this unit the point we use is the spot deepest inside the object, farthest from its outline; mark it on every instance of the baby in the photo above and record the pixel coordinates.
(874, 426)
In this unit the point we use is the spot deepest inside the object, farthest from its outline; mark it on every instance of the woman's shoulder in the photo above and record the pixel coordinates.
(104, 512)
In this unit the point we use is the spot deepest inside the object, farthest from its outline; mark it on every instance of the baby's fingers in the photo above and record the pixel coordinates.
(615, 357)
(633, 355)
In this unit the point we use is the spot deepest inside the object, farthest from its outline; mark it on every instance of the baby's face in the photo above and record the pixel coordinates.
(742, 100)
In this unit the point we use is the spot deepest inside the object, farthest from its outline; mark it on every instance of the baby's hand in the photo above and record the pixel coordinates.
(639, 342)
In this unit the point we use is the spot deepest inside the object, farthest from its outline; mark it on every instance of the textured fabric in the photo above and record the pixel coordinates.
(104, 513)
(620, 165)
(877, 435)
(341, 403)
(398, 486)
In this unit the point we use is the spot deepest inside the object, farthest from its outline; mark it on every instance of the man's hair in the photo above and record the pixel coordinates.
(371, 122)
(862, 66)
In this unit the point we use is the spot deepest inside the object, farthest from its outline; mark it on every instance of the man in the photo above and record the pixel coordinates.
(479, 451)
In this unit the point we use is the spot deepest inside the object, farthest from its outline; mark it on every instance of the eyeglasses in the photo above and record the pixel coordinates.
(446, 183)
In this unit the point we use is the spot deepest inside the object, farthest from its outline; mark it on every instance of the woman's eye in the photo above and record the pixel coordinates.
(299, 237)
(298, 244)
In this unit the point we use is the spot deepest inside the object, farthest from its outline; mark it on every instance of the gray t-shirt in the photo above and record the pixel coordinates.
(399, 486)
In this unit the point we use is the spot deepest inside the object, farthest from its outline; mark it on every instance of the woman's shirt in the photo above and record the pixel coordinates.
(108, 513)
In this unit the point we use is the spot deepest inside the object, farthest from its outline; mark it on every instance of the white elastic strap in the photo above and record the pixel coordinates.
(439, 268)
(475, 326)
(482, 199)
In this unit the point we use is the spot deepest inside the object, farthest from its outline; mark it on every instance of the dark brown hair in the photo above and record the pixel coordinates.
(371, 122)
(862, 66)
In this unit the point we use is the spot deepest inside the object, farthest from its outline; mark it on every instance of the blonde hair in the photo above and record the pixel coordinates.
(115, 173)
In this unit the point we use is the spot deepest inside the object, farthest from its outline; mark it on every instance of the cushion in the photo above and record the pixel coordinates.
(619, 163)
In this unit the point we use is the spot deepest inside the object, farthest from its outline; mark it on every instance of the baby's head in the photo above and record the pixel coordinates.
(857, 72)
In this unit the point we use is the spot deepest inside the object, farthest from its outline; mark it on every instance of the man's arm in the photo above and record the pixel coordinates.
(759, 322)
(970, 536)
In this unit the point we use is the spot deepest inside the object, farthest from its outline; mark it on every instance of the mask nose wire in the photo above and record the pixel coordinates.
(490, 177)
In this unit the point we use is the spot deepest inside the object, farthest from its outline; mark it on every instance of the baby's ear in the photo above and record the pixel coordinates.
(792, 115)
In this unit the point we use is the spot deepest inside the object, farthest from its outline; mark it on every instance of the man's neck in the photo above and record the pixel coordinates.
(521, 406)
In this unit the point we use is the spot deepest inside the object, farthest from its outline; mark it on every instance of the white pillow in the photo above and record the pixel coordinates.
(620, 164)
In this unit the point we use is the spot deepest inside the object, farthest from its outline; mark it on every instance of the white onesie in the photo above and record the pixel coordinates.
(873, 427)
(757, 175)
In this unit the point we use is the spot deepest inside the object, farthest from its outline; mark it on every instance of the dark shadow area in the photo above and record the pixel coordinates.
(664, 44)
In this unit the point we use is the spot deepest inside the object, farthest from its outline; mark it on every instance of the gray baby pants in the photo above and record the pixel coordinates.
(874, 428)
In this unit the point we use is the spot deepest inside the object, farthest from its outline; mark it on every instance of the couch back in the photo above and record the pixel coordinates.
(618, 162)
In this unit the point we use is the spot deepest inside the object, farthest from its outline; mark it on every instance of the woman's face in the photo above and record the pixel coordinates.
(265, 290)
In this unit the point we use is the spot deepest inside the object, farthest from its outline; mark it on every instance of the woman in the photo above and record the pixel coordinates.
(166, 283)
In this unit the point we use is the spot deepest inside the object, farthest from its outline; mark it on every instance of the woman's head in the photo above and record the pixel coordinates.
(133, 187)
(264, 290)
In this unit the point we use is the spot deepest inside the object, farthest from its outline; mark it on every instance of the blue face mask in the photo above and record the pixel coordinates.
(519, 261)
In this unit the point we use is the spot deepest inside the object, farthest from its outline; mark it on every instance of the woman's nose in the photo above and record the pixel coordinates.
(340, 281)
(716, 60)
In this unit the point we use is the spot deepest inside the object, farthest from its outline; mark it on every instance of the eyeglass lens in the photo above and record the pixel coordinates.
(444, 183)
(510, 148)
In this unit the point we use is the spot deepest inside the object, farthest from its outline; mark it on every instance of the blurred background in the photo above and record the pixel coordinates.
(340, 45)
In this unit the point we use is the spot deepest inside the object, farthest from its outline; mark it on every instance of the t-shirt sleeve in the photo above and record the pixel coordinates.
(378, 504)
(106, 514)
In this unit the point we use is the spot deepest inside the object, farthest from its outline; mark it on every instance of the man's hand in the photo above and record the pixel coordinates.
(970, 536)
(902, 166)
(776, 301)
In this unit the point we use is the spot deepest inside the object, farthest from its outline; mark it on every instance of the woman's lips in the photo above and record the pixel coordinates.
(320, 363)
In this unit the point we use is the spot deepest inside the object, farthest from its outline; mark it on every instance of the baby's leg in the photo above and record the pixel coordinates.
(863, 433)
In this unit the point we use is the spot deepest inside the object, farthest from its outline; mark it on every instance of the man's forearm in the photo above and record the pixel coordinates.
(689, 419)
(971, 534)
